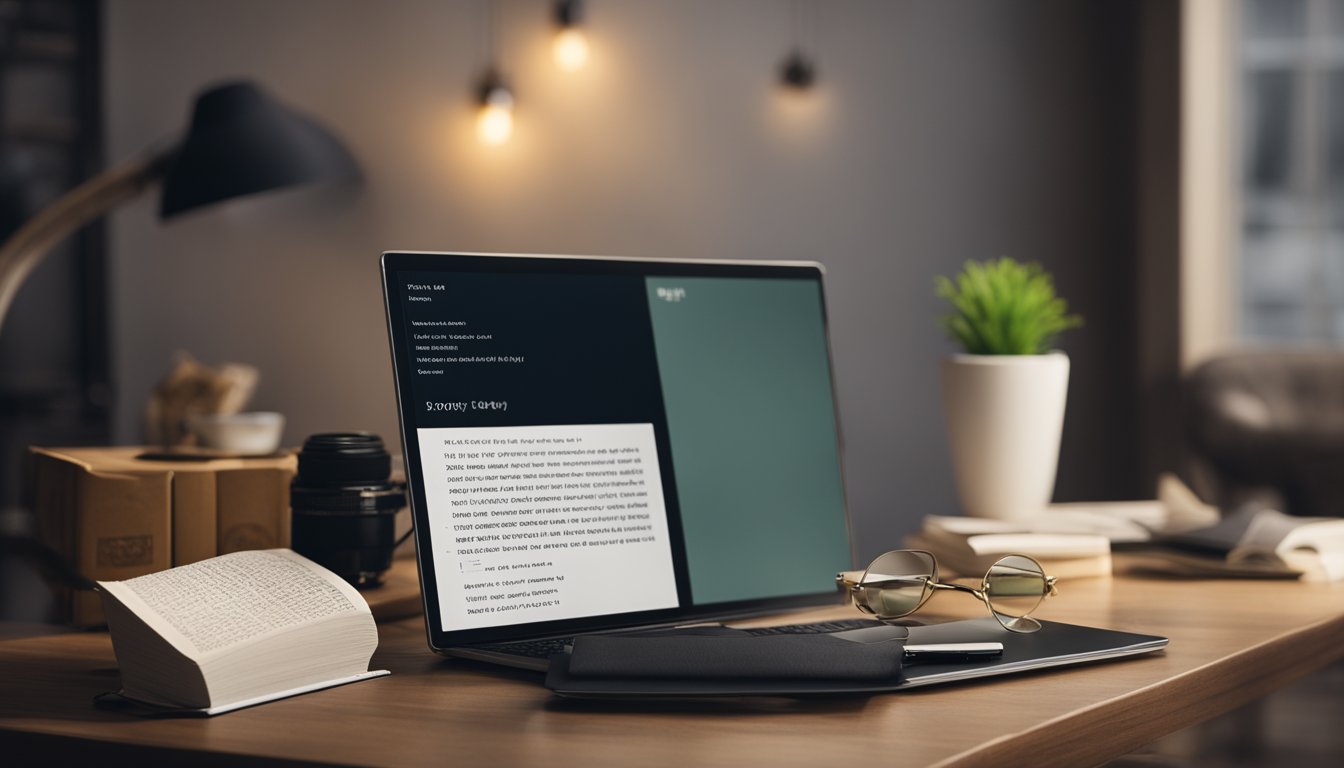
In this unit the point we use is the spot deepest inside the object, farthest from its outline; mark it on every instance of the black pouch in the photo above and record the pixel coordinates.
(721, 653)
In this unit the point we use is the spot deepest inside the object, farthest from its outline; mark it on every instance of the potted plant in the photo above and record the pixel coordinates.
(1004, 396)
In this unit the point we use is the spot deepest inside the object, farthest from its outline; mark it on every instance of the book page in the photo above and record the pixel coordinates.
(1040, 544)
(1314, 545)
(1266, 532)
(219, 603)
(1117, 521)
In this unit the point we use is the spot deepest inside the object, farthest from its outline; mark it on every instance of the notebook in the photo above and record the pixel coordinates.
(599, 444)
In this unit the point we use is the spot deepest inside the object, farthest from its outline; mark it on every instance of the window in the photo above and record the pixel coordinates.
(1292, 170)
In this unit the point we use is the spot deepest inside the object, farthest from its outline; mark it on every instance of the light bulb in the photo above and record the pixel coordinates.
(494, 124)
(570, 49)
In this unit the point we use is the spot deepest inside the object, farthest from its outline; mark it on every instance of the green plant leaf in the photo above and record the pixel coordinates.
(1002, 307)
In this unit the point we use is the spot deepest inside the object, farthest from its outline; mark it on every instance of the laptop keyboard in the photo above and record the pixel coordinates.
(537, 649)
(818, 628)
(544, 649)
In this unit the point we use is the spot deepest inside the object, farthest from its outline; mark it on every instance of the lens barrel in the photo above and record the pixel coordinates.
(345, 506)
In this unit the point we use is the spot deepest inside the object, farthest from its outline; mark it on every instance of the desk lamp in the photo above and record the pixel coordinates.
(240, 142)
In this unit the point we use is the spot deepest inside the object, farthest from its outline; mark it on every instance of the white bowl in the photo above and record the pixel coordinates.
(252, 433)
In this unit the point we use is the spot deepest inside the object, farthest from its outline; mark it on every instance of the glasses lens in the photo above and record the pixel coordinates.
(1015, 586)
(897, 583)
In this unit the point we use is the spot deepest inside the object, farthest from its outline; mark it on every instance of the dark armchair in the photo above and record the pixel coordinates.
(1269, 422)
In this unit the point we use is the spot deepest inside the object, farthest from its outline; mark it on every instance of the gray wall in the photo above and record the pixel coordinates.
(940, 131)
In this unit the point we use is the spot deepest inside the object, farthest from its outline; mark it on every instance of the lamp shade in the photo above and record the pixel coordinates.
(242, 142)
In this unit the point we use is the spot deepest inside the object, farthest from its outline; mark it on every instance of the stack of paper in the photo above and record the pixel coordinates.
(968, 546)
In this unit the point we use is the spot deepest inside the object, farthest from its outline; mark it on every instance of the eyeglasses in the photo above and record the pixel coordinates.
(898, 583)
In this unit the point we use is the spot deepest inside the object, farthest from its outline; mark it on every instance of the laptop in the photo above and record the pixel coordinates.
(599, 444)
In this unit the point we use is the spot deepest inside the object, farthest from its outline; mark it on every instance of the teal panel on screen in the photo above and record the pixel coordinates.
(746, 382)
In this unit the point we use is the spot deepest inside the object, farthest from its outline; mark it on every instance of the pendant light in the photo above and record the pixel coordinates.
(570, 47)
(798, 71)
(494, 119)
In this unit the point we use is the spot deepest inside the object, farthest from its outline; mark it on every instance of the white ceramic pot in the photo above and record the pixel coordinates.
(1004, 416)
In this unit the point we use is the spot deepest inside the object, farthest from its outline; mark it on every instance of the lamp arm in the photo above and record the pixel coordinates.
(26, 248)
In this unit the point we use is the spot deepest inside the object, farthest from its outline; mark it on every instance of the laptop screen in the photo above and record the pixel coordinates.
(597, 443)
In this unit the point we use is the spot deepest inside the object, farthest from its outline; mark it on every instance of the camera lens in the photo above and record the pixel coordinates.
(345, 507)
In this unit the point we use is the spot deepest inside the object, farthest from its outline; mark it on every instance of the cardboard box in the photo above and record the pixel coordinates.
(115, 516)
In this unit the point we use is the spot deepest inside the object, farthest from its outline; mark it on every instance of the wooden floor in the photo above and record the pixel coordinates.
(1301, 726)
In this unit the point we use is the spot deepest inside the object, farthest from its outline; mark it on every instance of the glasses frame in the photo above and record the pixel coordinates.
(851, 582)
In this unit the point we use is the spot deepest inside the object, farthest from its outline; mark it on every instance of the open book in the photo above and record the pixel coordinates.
(1250, 542)
(237, 630)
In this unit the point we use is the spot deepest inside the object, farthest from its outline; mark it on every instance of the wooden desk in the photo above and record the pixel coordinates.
(1230, 642)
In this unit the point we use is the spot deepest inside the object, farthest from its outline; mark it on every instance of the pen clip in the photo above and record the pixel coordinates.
(952, 651)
